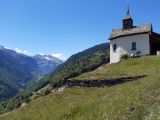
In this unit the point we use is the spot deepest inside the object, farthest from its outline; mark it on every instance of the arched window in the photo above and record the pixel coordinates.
(114, 47)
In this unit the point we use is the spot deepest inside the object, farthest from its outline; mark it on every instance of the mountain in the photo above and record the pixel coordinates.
(17, 70)
(47, 63)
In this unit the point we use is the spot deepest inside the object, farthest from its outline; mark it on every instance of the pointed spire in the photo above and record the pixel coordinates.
(128, 16)
(128, 13)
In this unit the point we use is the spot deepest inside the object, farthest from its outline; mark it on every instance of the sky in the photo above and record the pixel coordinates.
(65, 27)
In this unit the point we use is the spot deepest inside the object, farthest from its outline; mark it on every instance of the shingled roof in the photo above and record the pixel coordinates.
(116, 33)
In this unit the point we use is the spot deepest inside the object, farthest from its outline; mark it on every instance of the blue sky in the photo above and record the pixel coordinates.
(65, 27)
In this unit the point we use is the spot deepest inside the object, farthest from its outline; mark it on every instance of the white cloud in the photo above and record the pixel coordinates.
(59, 56)
(41, 53)
(23, 51)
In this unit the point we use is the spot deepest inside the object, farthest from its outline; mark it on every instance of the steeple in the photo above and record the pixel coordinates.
(127, 21)
(128, 16)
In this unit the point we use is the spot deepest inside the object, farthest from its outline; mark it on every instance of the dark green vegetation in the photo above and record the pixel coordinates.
(77, 64)
(80, 63)
(16, 70)
(23, 96)
(136, 100)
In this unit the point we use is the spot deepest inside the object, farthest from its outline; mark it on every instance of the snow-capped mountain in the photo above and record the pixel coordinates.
(17, 70)
(47, 63)
(42, 63)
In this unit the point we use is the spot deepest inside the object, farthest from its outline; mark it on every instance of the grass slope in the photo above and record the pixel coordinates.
(137, 100)
(143, 66)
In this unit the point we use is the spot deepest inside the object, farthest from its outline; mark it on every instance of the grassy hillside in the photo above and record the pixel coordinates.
(136, 100)
(132, 67)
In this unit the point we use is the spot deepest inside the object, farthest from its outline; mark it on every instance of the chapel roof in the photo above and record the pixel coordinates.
(116, 33)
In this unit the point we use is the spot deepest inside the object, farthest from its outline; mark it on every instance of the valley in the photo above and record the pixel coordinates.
(17, 71)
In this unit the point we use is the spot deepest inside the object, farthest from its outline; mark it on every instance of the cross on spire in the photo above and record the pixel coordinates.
(128, 13)
(128, 16)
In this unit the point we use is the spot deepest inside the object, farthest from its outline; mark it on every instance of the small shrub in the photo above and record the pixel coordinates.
(47, 91)
(124, 56)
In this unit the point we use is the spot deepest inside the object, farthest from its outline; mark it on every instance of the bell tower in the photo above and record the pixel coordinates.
(127, 21)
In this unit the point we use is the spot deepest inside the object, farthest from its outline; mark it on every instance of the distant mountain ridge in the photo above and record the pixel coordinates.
(17, 70)
(47, 63)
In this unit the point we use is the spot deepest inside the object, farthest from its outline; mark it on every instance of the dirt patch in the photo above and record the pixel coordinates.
(23, 104)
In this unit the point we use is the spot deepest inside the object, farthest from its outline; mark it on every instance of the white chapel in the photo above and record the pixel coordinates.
(132, 38)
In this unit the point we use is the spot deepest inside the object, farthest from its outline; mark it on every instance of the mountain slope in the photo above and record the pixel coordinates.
(81, 62)
(136, 100)
(17, 70)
